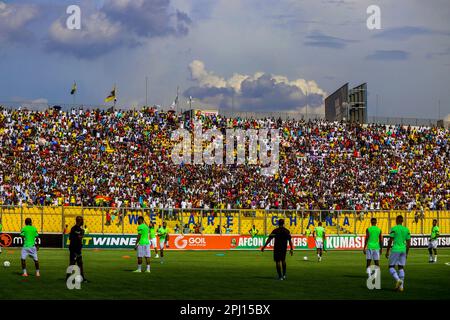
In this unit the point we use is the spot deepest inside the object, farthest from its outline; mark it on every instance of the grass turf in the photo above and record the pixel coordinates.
(222, 275)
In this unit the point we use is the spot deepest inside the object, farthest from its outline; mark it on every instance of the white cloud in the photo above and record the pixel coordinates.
(14, 19)
(260, 91)
(98, 34)
(118, 23)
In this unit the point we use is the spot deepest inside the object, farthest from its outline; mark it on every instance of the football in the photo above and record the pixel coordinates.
(6, 264)
(305, 258)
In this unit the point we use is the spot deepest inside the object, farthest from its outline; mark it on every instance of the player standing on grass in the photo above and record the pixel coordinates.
(374, 244)
(143, 245)
(163, 234)
(432, 245)
(282, 237)
(151, 226)
(319, 237)
(76, 244)
(401, 238)
(30, 248)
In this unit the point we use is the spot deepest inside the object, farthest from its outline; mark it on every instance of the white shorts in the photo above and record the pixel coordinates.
(153, 242)
(433, 244)
(397, 259)
(144, 251)
(373, 254)
(162, 244)
(319, 244)
(32, 252)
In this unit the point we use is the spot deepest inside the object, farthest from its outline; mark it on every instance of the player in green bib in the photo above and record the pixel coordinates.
(400, 241)
(433, 243)
(163, 234)
(319, 237)
(142, 245)
(152, 228)
(374, 244)
(30, 248)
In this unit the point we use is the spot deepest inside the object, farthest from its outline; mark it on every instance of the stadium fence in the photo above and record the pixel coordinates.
(111, 220)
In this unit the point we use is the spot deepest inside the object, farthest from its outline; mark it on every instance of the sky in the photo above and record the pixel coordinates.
(248, 55)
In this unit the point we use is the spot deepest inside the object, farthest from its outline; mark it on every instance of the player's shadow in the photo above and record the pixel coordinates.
(265, 277)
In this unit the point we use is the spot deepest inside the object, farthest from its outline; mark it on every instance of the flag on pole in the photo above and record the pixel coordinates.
(74, 88)
(112, 95)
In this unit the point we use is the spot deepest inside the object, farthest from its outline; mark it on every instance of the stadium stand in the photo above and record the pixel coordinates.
(113, 165)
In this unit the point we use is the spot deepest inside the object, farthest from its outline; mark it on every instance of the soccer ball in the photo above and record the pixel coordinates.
(6, 264)
(305, 258)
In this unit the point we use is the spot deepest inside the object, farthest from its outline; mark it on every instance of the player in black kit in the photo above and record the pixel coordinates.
(76, 244)
(282, 237)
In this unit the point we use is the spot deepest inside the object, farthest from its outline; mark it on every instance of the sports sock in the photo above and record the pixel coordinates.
(435, 257)
(394, 274)
(139, 267)
(401, 274)
(368, 271)
(24, 271)
(284, 269)
(148, 267)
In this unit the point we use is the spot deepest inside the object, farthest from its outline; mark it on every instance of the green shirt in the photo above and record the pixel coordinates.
(152, 232)
(400, 234)
(143, 231)
(319, 232)
(254, 232)
(373, 241)
(434, 232)
(162, 232)
(30, 234)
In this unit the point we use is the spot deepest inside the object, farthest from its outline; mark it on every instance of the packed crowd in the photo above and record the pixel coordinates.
(123, 159)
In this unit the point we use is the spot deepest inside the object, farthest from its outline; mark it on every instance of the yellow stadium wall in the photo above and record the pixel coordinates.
(54, 219)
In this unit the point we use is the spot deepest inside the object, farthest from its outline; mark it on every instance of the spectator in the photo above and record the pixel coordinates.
(123, 158)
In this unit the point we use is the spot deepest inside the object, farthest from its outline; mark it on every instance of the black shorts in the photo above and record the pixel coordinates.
(75, 255)
(279, 255)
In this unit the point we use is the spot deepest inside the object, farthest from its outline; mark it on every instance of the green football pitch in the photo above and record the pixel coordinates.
(222, 275)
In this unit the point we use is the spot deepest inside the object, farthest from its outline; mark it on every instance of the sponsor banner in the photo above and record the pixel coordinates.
(237, 242)
(45, 240)
(301, 242)
(423, 241)
(105, 241)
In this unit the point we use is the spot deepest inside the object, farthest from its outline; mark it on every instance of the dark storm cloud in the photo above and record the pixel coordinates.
(318, 39)
(263, 93)
(149, 18)
(388, 55)
(208, 92)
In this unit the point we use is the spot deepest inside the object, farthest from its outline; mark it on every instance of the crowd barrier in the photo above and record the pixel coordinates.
(104, 220)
